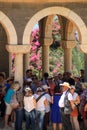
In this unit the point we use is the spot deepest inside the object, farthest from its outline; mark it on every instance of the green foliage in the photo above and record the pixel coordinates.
(56, 60)
(57, 57)
(77, 60)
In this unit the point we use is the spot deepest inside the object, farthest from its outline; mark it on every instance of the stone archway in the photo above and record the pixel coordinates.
(67, 13)
(9, 28)
(11, 37)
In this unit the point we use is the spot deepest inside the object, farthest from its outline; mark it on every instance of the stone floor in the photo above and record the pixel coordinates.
(12, 128)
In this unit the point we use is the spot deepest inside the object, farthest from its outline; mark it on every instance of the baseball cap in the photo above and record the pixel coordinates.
(27, 89)
(29, 80)
(45, 87)
(72, 86)
(39, 89)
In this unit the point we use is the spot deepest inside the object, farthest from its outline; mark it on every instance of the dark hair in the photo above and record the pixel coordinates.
(2, 75)
(28, 70)
(46, 74)
(57, 90)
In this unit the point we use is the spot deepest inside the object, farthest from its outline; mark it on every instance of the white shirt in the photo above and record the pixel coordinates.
(40, 104)
(28, 103)
(74, 95)
(61, 101)
(48, 97)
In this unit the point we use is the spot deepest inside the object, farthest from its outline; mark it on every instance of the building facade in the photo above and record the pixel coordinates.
(17, 19)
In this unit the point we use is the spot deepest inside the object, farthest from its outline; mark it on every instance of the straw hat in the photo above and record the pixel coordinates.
(65, 84)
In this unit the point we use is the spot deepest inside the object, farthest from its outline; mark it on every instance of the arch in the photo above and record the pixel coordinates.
(9, 28)
(69, 14)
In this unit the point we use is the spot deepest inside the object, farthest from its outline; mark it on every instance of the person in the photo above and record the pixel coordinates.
(40, 107)
(82, 75)
(74, 113)
(56, 80)
(47, 112)
(70, 80)
(83, 104)
(19, 110)
(28, 75)
(29, 108)
(85, 116)
(14, 87)
(34, 84)
(44, 80)
(55, 110)
(51, 84)
(64, 114)
(2, 94)
(78, 85)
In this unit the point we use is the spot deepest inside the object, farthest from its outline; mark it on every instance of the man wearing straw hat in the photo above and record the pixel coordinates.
(65, 116)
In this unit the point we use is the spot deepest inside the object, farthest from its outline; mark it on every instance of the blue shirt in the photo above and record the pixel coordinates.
(8, 95)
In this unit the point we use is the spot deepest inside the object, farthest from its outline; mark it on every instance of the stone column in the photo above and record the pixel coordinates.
(19, 67)
(10, 64)
(45, 58)
(68, 46)
(18, 50)
(26, 62)
(45, 54)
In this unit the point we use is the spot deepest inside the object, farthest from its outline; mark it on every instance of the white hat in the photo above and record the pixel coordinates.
(45, 87)
(77, 76)
(39, 89)
(27, 89)
(50, 77)
(72, 86)
(29, 80)
(65, 84)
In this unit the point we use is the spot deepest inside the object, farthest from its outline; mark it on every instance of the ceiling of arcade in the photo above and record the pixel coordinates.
(41, 1)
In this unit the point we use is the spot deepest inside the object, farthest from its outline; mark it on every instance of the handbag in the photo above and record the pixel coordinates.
(13, 102)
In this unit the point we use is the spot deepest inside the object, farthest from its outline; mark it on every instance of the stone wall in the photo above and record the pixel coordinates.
(21, 13)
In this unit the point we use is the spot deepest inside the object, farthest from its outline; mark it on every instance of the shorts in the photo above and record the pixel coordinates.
(8, 109)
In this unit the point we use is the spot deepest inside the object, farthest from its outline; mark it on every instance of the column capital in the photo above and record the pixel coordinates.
(18, 48)
(68, 44)
(46, 41)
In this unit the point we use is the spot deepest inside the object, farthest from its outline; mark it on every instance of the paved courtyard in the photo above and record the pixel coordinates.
(12, 128)
(49, 127)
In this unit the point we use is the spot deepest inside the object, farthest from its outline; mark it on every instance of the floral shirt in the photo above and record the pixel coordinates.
(83, 97)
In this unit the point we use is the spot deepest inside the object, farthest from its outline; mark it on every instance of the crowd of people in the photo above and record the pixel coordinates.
(59, 100)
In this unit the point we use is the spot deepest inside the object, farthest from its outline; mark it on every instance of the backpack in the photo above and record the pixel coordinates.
(67, 105)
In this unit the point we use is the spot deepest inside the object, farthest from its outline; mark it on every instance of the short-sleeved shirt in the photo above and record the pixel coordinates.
(61, 101)
(40, 104)
(48, 97)
(8, 95)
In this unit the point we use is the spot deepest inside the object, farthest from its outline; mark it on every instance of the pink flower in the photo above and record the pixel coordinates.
(37, 43)
(39, 67)
(58, 65)
(58, 27)
(54, 70)
(13, 56)
(33, 58)
(31, 67)
(34, 48)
